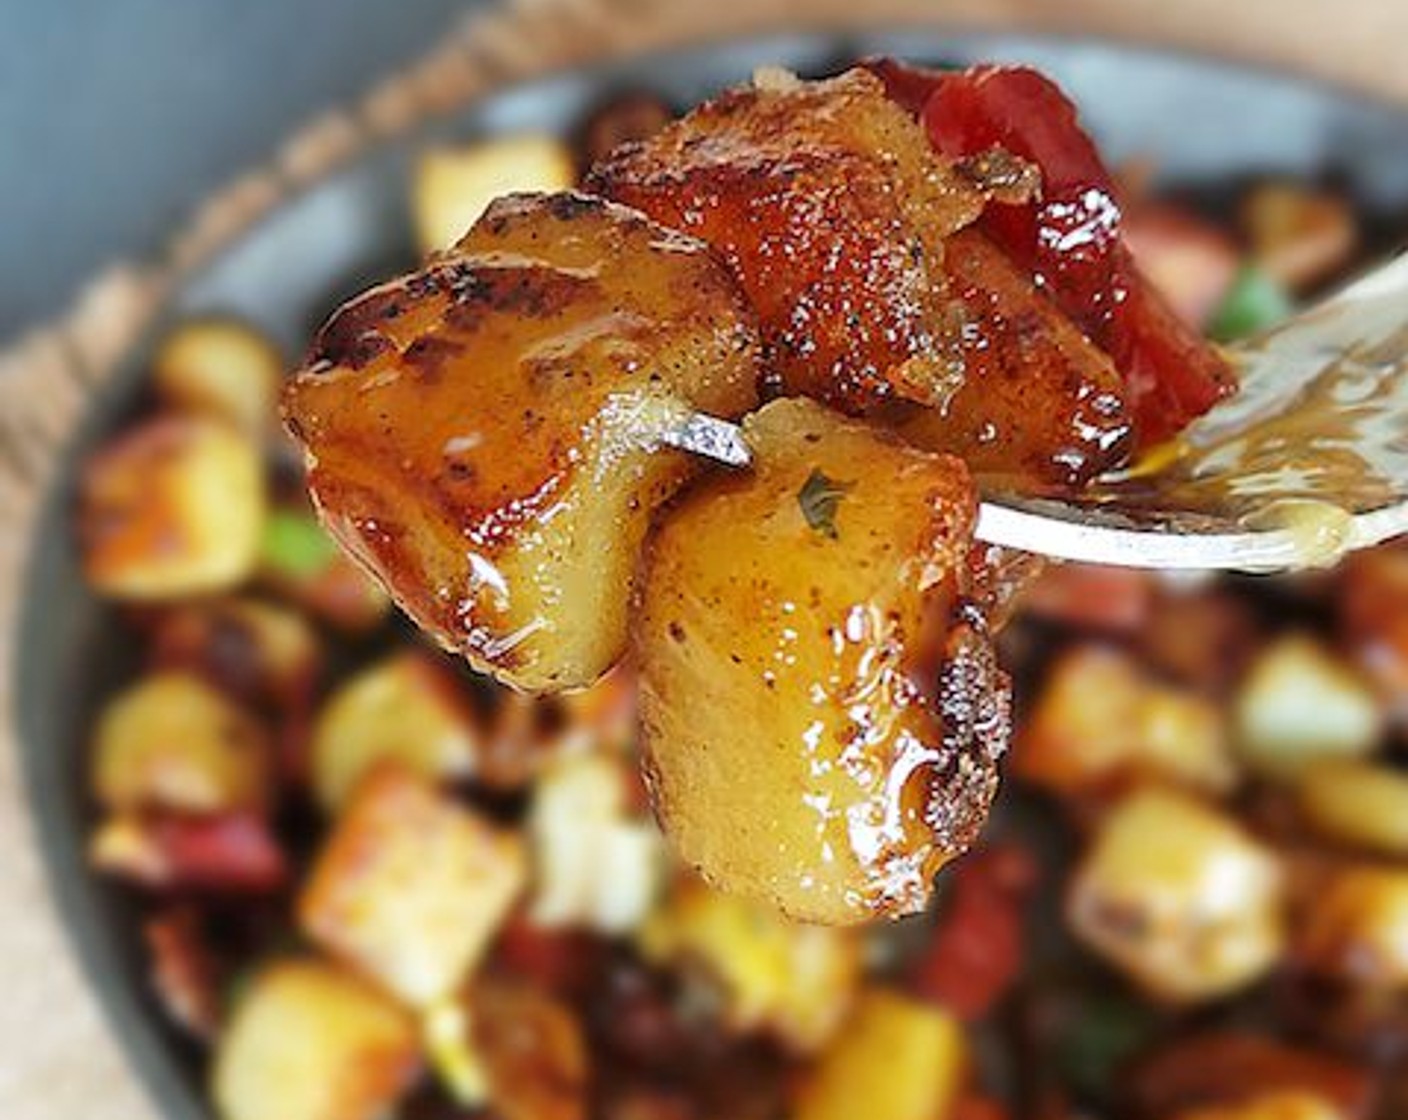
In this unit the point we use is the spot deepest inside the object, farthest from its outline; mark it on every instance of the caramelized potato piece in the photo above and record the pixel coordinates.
(1179, 898)
(1284, 1104)
(484, 435)
(1356, 929)
(535, 1058)
(1101, 723)
(791, 979)
(820, 718)
(405, 708)
(173, 742)
(454, 186)
(309, 1041)
(1039, 403)
(830, 208)
(221, 368)
(895, 1058)
(172, 508)
(1361, 804)
(410, 887)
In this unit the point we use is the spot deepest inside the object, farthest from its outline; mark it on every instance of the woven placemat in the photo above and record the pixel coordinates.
(56, 1059)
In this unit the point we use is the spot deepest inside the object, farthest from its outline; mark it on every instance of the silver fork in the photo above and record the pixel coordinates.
(1307, 462)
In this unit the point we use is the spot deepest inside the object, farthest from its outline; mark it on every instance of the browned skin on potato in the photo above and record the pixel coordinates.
(830, 208)
(1041, 405)
(821, 711)
(482, 435)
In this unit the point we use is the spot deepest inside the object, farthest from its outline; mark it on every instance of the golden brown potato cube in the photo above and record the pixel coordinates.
(1361, 804)
(221, 368)
(454, 186)
(171, 508)
(484, 435)
(173, 742)
(309, 1041)
(895, 1057)
(1356, 929)
(793, 980)
(821, 727)
(405, 708)
(1179, 898)
(1100, 722)
(830, 207)
(1298, 704)
(410, 886)
(1281, 1104)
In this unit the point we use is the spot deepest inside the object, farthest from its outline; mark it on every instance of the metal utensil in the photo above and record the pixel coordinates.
(1308, 461)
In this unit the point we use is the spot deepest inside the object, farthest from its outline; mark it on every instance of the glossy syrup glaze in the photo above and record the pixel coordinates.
(483, 434)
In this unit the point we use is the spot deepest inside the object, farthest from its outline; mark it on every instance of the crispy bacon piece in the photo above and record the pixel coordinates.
(976, 952)
(1070, 241)
(832, 211)
(483, 435)
(229, 853)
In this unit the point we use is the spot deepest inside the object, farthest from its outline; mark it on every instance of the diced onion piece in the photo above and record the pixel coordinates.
(1298, 704)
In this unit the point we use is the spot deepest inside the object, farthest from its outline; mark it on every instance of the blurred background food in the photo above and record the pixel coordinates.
(374, 882)
(367, 882)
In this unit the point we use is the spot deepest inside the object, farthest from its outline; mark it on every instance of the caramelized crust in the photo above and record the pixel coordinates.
(831, 209)
(1041, 405)
(483, 435)
(821, 715)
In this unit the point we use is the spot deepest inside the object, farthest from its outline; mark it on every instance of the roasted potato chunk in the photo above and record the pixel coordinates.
(1101, 723)
(1038, 403)
(895, 1058)
(410, 887)
(454, 186)
(309, 1041)
(1360, 804)
(1179, 897)
(406, 709)
(830, 207)
(793, 980)
(820, 717)
(832, 210)
(173, 742)
(221, 368)
(1356, 929)
(484, 435)
(172, 508)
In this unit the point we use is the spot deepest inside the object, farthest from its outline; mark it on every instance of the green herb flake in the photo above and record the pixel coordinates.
(1252, 304)
(819, 498)
(295, 545)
